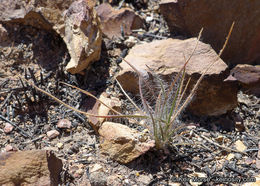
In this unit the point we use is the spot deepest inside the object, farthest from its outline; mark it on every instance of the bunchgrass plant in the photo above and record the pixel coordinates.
(162, 103)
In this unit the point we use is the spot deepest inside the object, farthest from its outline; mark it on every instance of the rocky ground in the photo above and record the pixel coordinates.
(213, 147)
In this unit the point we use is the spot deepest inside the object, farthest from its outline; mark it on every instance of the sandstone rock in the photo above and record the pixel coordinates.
(82, 36)
(165, 58)
(78, 26)
(248, 76)
(36, 167)
(113, 21)
(188, 17)
(102, 110)
(64, 124)
(121, 142)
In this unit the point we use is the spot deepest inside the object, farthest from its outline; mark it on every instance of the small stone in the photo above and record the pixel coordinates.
(8, 128)
(144, 179)
(240, 146)
(64, 124)
(220, 139)
(98, 179)
(53, 134)
(238, 156)
(130, 42)
(8, 148)
(94, 168)
(230, 156)
(249, 161)
(60, 145)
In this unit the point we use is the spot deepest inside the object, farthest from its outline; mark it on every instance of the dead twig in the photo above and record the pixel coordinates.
(220, 146)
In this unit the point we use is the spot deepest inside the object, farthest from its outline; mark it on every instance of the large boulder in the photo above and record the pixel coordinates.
(36, 167)
(188, 17)
(166, 58)
(74, 21)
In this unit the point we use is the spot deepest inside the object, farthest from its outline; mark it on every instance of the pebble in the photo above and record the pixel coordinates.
(53, 134)
(8, 128)
(64, 124)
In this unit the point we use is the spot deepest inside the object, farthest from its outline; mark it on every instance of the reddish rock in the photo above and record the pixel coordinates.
(165, 58)
(53, 134)
(114, 20)
(248, 76)
(36, 167)
(8, 128)
(64, 124)
(188, 17)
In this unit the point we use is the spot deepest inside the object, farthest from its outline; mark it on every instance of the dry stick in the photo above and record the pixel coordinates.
(223, 147)
(120, 86)
(79, 111)
(91, 95)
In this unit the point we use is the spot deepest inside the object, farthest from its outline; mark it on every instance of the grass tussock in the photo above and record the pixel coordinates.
(162, 103)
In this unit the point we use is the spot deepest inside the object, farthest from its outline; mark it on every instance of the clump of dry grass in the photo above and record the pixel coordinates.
(165, 104)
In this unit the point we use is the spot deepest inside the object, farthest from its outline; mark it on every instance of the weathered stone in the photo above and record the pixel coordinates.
(82, 36)
(101, 110)
(8, 128)
(75, 21)
(121, 142)
(165, 58)
(34, 167)
(53, 134)
(114, 21)
(248, 76)
(64, 124)
(188, 17)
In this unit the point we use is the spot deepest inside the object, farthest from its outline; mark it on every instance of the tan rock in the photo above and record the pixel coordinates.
(248, 76)
(113, 21)
(188, 17)
(166, 58)
(121, 142)
(82, 36)
(102, 110)
(53, 134)
(240, 146)
(75, 21)
(36, 167)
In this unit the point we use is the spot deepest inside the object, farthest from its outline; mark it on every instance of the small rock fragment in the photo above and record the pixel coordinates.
(230, 156)
(114, 22)
(64, 124)
(95, 167)
(53, 134)
(60, 145)
(98, 179)
(8, 128)
(240, 146)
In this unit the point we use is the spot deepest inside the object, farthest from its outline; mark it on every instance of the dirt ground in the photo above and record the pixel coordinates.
(207, 150)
